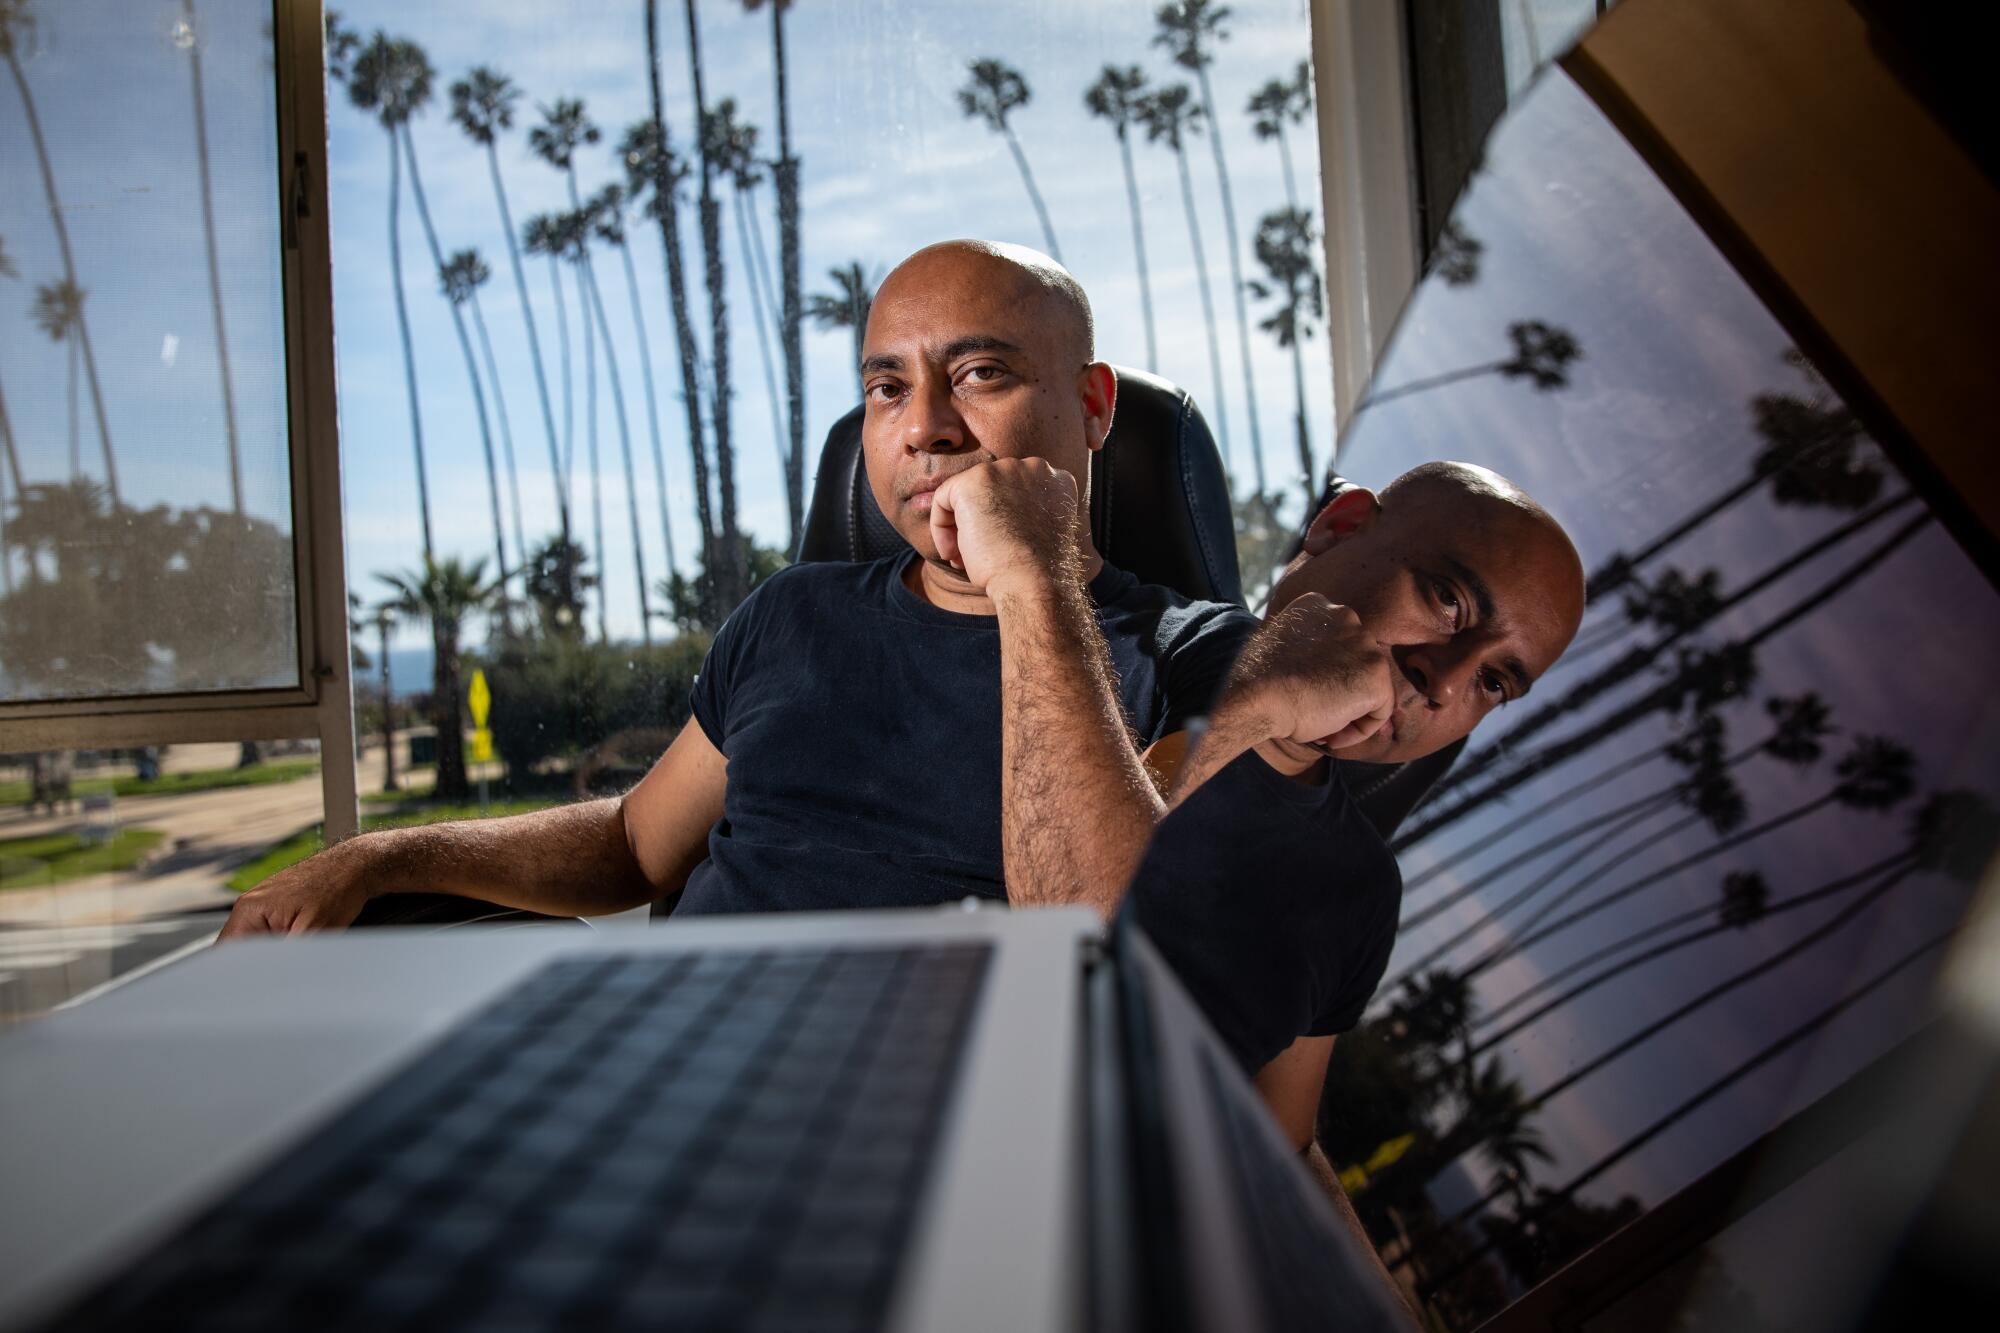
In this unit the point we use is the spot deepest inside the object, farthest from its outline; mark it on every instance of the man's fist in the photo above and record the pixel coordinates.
(1316, 676)
(316, 894)
(1007, 522)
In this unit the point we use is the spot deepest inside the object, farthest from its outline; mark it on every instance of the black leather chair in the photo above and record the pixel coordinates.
(1159, 504)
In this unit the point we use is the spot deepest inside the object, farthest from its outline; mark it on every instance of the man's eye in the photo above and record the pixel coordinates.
(984, 374)
(1447, 598)
(882, 390)
(1495, 687)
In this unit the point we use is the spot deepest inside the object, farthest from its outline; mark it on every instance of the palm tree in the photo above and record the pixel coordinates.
(17, 27)
(992, 94)
(1115, 97)
(605, 214)
(58, 313)
(732, 569)
(188, 36)
(392, 78)
(443, 593)
(1542, 355)
(482, 104)
(656, 167)
(563, 130)
(1171, 115)
(786, 171)
(461, 276)
(610, 209)
(541, 235)
(1285, 246)
(7, 270)
(846, 307)
(1455, 257)
(1279, 103)
(733, 144)
(385, 619)
(572, 241)
(1188, 31)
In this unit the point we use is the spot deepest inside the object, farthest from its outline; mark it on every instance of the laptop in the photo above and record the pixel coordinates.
(935, 1120)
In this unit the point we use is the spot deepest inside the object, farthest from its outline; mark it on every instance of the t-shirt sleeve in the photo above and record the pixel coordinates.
(722, 669)
(1203, 648)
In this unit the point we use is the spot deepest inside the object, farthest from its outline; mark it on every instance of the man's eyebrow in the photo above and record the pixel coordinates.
(1481, 596)
(977, 342)
(882, 361)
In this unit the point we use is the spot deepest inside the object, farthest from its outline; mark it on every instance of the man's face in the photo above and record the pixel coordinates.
(1472, 598)
(967, 360)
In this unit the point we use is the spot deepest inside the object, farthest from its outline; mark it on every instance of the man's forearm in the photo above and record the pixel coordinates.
(571, 860)
(1076, 805)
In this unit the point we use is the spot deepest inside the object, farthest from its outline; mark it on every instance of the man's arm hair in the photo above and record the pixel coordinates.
(586, 859)
(1076, 805)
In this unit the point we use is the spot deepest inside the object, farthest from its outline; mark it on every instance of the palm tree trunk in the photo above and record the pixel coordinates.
(652, 405)
(631, 475)
(1034, 195)
(754, 270)
(1594, 783)
(20, 492)
(1235, 276)
(1299, 394)
(1430, 382)
(75, 418)
(1221, 418)
(534, 341)
(560, 460)
(590, 434)
(731, 572)
(506, 437)
(389, 782)
(8, 443)
(214, 266)
(409, 350)
(82, 331)
(471, 376)
(793, 337)
(1139, 248)
(668, 216)
(1285, 160)
(445, 711)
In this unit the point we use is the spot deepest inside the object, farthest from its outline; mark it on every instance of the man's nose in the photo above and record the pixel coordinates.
(1440, 671)
(933, 424)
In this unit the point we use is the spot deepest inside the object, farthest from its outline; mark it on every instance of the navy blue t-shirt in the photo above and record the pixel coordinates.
(1274, 901)
(862, 729)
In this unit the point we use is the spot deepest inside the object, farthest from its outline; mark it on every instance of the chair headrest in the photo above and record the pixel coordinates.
(1159, 504)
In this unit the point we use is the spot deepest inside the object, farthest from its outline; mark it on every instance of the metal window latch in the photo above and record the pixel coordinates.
(296, 197)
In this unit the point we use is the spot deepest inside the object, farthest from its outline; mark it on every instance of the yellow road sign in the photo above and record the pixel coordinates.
(482, 746)
(480, 698)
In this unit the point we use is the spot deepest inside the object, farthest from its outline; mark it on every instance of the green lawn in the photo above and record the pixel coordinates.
(174, 784)
(55, 857)
(306, 841)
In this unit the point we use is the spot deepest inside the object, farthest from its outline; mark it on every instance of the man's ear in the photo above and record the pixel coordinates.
(1345, 514)
(1098, 387)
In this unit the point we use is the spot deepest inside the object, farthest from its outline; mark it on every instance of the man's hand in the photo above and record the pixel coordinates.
(1315, 676)
(1008, 525)
(322, 893)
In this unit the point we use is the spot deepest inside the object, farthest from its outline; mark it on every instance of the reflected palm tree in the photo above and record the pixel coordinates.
(1542, 355)
(1189, 31)
(1279, 103)
(461, 277)
(846, 306)
(17, 30)
(792, 333)
(482, 105)
(7, 270)
(443, 594)
(1285, 247)
(1455, 257)
(1115, 98)
(1171, 115)
(58, 313)
(187, 35)
(733, 144)
(994, 92)
(392, 78)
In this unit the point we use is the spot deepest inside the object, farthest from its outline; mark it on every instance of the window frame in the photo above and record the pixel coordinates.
(320, 707)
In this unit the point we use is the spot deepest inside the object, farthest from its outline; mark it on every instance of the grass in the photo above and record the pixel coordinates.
(173, 784)
(53, 858)
(290, 851)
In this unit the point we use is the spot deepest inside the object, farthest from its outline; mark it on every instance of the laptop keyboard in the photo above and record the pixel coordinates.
(715, 1140)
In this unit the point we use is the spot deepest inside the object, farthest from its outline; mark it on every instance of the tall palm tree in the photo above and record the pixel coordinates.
(17, 30)
(1285, 246)
(656, 168)
(610, 205)
(605, 213)
(573, 243)
(392, 78)
(1189, 31)
(463, 274)
(1115, 97)
(731, 576)
(58, 313)
(846, 307)
(733, 144)
(1279, 103)
(456, 293)
(565, 127)
(188, 36)
(541, 235)
(1542, 355)
(792, 312)
(1171, 115)
(992, 94)
(7, 270)
(482, 104)
(443, 593)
